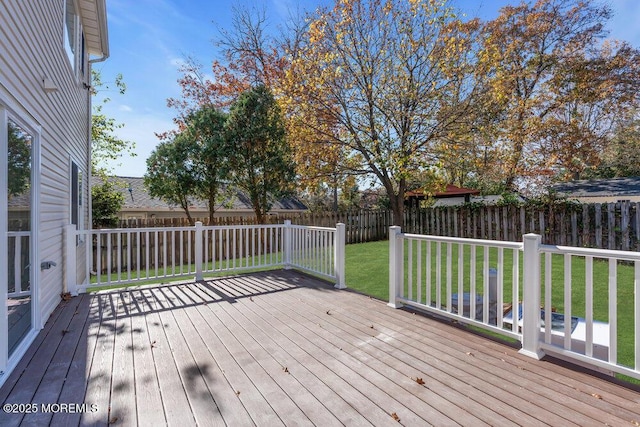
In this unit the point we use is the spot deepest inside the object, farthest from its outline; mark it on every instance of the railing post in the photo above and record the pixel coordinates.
(70, 262)
(198, 249)
(339, 255)
(287, 244)
(531, 297)
(396, 273)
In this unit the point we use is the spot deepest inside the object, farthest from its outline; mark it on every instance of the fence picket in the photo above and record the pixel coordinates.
(618, 227)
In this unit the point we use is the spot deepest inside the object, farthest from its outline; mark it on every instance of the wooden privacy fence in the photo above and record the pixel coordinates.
(605, 226)
(361, 225)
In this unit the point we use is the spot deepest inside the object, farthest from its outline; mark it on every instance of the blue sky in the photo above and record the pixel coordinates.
(149, 38)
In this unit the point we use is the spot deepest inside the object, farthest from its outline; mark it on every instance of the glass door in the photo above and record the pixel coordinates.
(19, 227)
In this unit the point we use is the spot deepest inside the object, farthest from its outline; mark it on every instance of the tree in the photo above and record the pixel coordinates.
(172, 175)
(105, 144)
(19, 160)
(558, 89)
(262, 164)
(384, 81)
(252, 56)
(106, 201)
(206, 127)
(593, 95)
(621, 157)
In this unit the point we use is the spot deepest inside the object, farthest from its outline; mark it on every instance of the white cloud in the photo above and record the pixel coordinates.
(177, 62)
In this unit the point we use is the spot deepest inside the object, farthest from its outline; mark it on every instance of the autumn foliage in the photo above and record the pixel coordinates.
(407, 94)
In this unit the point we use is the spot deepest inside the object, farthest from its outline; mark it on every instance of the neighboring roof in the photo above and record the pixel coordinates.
(93, 14)
(450, 191)
(616, 187)
(139, 199)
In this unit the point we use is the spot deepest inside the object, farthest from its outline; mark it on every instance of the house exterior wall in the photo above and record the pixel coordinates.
(33, 47)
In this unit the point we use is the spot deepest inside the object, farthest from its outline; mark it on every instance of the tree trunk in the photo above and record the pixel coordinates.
(397, 207)
(188, 213)
(212, 207)
(396, 200)
(184, 204)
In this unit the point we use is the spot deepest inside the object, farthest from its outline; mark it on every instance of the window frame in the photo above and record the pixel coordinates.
(74, 44)
(76, 195)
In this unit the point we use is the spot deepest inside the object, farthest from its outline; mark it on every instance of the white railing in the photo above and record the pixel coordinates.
(511, 288)
(465, 279)
(127, 256)
(317, 250)
(18, 243)
(594, 281)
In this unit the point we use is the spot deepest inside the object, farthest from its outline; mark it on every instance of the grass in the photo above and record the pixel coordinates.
(367, 271)
(221, 269)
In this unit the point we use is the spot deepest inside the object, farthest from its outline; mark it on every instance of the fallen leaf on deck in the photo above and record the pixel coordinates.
(371, 326)
(113, 420)
(66, 296)
(250, 298)
(395, 417)
(285, 369)
(65, 331)
(596, 395)
(419, 380)
(238, 393)
(153, 344)
(469, 354)
(329, 312)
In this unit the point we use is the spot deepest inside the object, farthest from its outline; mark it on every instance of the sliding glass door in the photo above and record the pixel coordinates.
(19, 237)
(17, 175)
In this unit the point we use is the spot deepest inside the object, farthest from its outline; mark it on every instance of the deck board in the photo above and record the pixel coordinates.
(455, 362)
(334, 350)
(515, 374)
(76, 384)
(31, 376)
(175, 403)
(100, 371)
(308, 409)
(365, 345)
(282, 348)
(148, 400)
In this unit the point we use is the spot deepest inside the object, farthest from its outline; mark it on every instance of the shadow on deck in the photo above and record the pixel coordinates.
(277, 348)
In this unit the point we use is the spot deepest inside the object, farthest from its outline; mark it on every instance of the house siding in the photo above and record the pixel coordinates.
(32, 47)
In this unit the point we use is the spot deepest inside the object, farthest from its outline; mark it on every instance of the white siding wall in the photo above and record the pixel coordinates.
(31, 47)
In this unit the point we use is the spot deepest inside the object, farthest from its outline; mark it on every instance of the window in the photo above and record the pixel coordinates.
(74, 38)
(77, 192)
(70, 31)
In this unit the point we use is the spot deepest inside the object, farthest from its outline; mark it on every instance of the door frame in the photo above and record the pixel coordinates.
(11, 109)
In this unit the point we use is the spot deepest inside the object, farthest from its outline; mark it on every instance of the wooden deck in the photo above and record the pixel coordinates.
(281, 348)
